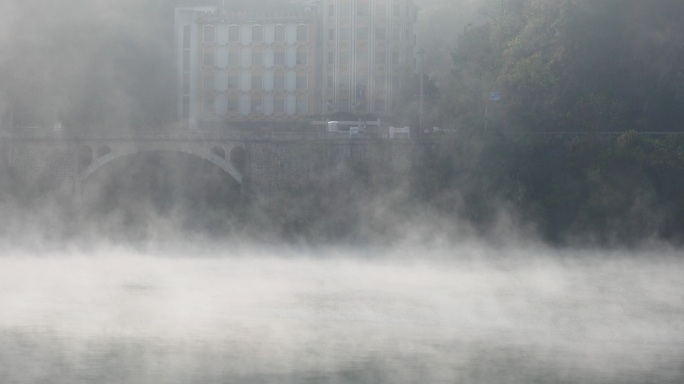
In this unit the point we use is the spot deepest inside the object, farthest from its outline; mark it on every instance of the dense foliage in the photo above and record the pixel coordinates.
(592, 189)
(568, 65)
(567, 149)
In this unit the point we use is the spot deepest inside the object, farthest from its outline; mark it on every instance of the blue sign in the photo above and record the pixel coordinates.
(494, 96)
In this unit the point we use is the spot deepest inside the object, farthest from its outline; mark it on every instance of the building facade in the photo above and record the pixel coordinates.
(368, 49)
(307, 59)
(244, 66)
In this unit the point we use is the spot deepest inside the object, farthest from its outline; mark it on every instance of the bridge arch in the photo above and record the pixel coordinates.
(200, 152)
(219, 151)
(103, 150)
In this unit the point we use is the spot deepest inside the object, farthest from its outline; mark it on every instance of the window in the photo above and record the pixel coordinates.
(220, 105)
(257, 34)
(233, 33)
(344, 34)
(360, 93)
(380, 34)
(379, 105)
(331, 57)
(345, 7)
(257, 58)
(208, 57)
(186, 37)
(279, 105)
(330, 82)
(279, 58)
(279, 33)
(221, 57)
(380, 57)
(302, 104)
(232, 81)
(232, 104)
(221, 34)
(279, 81)
(362, 9)
(344, 58)
(331, 10)
(186, 83)
(362, 56)
(302, 33)
(220, 81)
(380, 9)
(302, 58)
(257, 82)
(186, 60)
(257, 103)
(233, 58)
(379, 81)
(362, 33)
(395, 58)
(208, 82)
(362, 79)
(331, 34)
(245, 57)
(302, 81)
(209, 36)
(208, 104)
(186, 106)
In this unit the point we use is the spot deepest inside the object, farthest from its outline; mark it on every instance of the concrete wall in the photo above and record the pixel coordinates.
(290, 166)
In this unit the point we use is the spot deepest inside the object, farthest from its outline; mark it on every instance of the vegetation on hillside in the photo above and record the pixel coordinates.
(565, 65)
(593, 189)
(568, 148)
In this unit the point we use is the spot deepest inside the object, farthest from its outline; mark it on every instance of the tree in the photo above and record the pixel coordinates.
(576, 65)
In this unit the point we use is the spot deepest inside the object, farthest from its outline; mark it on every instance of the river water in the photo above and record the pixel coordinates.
(267, 314)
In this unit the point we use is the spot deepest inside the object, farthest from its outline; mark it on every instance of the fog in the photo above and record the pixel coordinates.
(221, 313)
(164, 271)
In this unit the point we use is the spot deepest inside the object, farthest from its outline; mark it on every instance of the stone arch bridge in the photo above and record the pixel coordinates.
(263, 164)
(93, 154)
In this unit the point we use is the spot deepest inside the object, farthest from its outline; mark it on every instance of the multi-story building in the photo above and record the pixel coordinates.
(245, 66)
(368, 51)
(305, 58)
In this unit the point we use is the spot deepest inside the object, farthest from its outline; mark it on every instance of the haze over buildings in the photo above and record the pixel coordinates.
(250, 63)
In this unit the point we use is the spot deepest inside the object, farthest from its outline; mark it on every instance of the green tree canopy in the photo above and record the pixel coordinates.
(576, 65)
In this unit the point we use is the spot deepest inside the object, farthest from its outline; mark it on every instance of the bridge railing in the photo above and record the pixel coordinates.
(37, 133)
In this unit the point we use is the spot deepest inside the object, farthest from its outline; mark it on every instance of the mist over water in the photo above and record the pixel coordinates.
(163, 273)
(209, 313)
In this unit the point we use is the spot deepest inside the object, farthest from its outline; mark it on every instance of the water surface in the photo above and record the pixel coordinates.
(221, 314)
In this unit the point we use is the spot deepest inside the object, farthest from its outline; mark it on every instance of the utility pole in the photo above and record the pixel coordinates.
(421, 113)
